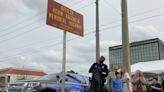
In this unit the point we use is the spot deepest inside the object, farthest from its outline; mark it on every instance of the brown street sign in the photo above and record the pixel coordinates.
(64, 18)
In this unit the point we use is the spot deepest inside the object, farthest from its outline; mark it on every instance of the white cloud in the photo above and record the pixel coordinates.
(35, 5)
(80, 59)
(82, 54)
(138, 33)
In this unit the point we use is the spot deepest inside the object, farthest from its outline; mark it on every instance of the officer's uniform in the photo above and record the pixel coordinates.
(99, 73)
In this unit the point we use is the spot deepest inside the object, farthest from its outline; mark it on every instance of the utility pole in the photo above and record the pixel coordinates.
(125, 36)
(64, 60)
(97, 32)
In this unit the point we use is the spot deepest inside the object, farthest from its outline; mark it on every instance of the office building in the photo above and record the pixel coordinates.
(141, 51)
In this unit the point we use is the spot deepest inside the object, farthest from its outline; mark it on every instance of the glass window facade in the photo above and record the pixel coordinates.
(139, 53)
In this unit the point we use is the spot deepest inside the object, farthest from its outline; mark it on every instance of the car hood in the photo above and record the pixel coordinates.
(28, 81)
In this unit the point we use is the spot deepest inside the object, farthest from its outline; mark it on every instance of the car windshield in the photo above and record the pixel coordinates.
(53, 77)
(70, 77)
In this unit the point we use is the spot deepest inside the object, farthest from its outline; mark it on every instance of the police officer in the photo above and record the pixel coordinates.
(99, 73)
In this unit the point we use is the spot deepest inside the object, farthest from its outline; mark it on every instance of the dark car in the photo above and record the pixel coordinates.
(74, 83)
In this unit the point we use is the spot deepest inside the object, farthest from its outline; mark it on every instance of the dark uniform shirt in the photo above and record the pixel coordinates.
(163, 84)
(99, 71)
(156, 85)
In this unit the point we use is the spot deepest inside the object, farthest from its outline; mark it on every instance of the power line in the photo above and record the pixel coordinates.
(66, 1)
(38, 15)
(138, 14)
(76, 3)
(14, 31)
(111, 6)
(102, 26)
(143, 12)
(29, 45)
(24, 33)
(106, 2)
(148, 17)
(86, 5)
(77, 9)
(23, 27)
(56, 44)
(143, 19)
(152, 10)
(27, 32)
(138, 20)
(23, 21)
(104, 29)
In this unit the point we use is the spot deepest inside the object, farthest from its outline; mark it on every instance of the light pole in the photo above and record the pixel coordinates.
(125, 37)
(97, 32)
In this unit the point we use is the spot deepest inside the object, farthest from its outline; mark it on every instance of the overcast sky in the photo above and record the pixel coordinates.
(26, 41)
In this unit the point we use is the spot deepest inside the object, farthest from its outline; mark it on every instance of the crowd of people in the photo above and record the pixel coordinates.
(119, 80)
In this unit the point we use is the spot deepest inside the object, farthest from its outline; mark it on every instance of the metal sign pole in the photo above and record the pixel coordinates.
(64, 61)
(66, 24)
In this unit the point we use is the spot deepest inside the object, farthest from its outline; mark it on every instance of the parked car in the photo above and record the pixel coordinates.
(74, 82)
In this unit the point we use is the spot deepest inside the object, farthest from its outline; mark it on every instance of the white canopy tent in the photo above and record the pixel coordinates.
(156, 67)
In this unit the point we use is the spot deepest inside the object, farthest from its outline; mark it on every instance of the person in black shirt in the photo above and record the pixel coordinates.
(99, 73)
(156, 87)
(163, 84)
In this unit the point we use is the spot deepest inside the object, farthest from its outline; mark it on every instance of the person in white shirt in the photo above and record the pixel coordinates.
(127, 87)
(112, 76)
